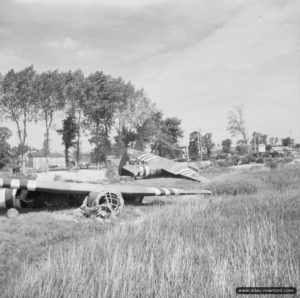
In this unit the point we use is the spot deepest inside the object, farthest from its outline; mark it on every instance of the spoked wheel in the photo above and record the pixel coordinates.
(104, 203)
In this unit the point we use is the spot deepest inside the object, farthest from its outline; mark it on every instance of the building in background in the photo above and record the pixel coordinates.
(37, 160)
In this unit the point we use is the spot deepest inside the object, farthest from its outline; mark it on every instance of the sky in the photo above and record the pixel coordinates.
(195, 59)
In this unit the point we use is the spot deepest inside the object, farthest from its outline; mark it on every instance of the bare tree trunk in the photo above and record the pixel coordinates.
(23, 162)
(78, 140)
(23, 139)
(78, 149)
(48, 121)
(98, 145)
(67, 157)
(47, 148)
(246, 141)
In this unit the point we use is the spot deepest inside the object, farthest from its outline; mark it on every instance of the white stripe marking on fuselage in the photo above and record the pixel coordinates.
(149, 158)
(157, 191)
(167, 192)
(143, 156)
(2, 198)
(147, 171)
(175, 190)
(184, 171)
(15, 183)
(31, 185)
(141, 172)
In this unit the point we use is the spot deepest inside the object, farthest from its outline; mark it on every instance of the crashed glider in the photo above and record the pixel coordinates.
(16, 193)
(140, 164)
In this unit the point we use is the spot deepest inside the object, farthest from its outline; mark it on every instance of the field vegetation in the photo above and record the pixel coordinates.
(246, 235)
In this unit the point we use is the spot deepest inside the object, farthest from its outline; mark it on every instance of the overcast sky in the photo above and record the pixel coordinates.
(194, 58)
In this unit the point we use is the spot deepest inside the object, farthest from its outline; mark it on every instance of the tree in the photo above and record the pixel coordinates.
(150, 130)
(258, 138)
(75, 94)
(17, 103)
(134, 112)
(226, 145)
(125, 93)
(127, 136)
(99, 110)
(274, 141)
(241, 147)
(208, 144)
(287, 141)
(194, 145)
(5, 155)
(236, 123)
(68, 132)
(48, 91)
(166, 140)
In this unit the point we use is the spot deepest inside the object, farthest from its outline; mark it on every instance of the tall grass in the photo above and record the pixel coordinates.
(180, 252)
(249, 182)
(193, 248)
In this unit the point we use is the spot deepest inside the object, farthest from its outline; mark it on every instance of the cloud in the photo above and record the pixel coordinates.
(69, 44)
(65, 43)
(94, 2)
(85, 52)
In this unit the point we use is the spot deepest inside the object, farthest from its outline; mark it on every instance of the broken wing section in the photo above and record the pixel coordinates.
(186, 172)
(96, 193)
(140, 164)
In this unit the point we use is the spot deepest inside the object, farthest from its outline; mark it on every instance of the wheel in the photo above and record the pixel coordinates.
(12, 212)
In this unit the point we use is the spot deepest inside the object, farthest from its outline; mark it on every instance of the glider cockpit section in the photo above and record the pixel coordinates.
(143, 165)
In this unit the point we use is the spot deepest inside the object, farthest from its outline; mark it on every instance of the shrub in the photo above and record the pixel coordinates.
(248, 158)
(260, 159)
(271, 163)
(224, 163)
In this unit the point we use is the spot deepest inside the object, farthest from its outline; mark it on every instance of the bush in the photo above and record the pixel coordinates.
(231, 160)
(221, 155)
(260, 159)
(248, 158)
(224, 163)
(271, 163)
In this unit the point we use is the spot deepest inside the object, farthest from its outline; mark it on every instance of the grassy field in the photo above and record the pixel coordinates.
(246, 235)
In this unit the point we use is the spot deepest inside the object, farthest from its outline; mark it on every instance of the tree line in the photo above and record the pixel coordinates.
(112, 112)
(202, 145)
